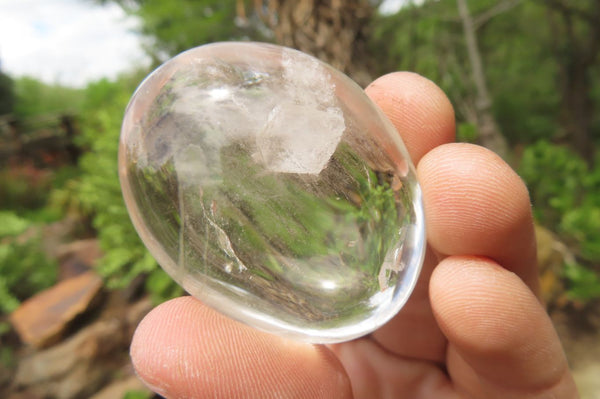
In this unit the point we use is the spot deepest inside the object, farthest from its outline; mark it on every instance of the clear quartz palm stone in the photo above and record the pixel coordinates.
(270, 187)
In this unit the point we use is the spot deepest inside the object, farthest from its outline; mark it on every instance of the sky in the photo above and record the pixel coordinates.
(69, 42)
(73, 42)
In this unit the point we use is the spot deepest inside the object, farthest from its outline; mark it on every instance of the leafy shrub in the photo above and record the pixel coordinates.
(29, 191)
(466, 132)
(99, 193)
(24, 187)
(555, 177)
(24, 268)
(583, 225)
(566, 196)
(584, 282)
(137, 395)
(12, 224)
(35, 98)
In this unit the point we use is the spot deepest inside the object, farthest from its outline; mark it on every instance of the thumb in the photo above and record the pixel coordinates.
(501, 342)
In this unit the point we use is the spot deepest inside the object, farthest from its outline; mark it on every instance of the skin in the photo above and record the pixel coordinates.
(473, 328)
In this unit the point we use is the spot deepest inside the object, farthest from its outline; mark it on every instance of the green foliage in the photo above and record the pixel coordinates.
(161, 286)
(466, 132)
(416, 39)
(176, 26)
(24, 193)
(34, 99)
(30, 192)
(24, 268)
(24, 187)
(565, 195)
(583, 226)
(522, 73)
(12, 224)
(99, 193)
(584, 282)
(7, 94)
(7, 357)
(557, 179)
(137, 395)
(519, 62)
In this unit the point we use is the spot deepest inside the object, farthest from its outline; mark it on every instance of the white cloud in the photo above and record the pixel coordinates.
(388, 7)
(67, 41)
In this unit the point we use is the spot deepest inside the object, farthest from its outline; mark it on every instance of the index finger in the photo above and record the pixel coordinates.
(418, 108)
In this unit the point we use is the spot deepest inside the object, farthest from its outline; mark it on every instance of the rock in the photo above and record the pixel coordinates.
(44, 318)
(579, 332)
(52, 235)
(135, 313)
(552, 256)
(587, 380)
(84, 363)
(24, 395)
(135, 289)
(77, 257)
(55, 234)
(120, 388)
(72, 369)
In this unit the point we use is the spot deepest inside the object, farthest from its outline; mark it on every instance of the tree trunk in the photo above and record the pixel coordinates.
(578, 110)
(489, 133)
(331, 30)
(576, 51)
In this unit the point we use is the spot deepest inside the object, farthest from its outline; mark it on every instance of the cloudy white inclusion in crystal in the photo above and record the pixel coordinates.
(296, 127)
(305, 127)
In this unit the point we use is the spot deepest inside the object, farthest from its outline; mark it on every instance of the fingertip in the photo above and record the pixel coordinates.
(418, 108)
(498, 332)
(476, 204)
(185, 349)
(473, 299)
(155, 347)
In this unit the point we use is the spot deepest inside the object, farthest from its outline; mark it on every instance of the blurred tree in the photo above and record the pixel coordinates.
(35, 99)
(521, 72)
(536, 92)
(440, 41)
(176, 26)
(490, 135)
(334, 31)
(575, 27)
(7, 94)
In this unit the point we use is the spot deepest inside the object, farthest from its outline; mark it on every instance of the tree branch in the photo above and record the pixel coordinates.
(589, 49)
(489, 134)
(484, 17)
(572, 11)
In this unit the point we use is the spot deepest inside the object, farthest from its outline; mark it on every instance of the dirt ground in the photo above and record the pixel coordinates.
(579, 330)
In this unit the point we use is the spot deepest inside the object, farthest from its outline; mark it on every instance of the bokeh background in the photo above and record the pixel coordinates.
(523, 75)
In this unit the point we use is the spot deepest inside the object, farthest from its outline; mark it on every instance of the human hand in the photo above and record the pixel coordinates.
(473, 327)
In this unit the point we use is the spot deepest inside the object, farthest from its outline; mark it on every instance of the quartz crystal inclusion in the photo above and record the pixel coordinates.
(270, 187)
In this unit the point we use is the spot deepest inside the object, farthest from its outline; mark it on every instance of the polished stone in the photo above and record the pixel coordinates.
(270, 187)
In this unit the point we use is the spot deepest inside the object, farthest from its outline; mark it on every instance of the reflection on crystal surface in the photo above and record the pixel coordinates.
(270, 187)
